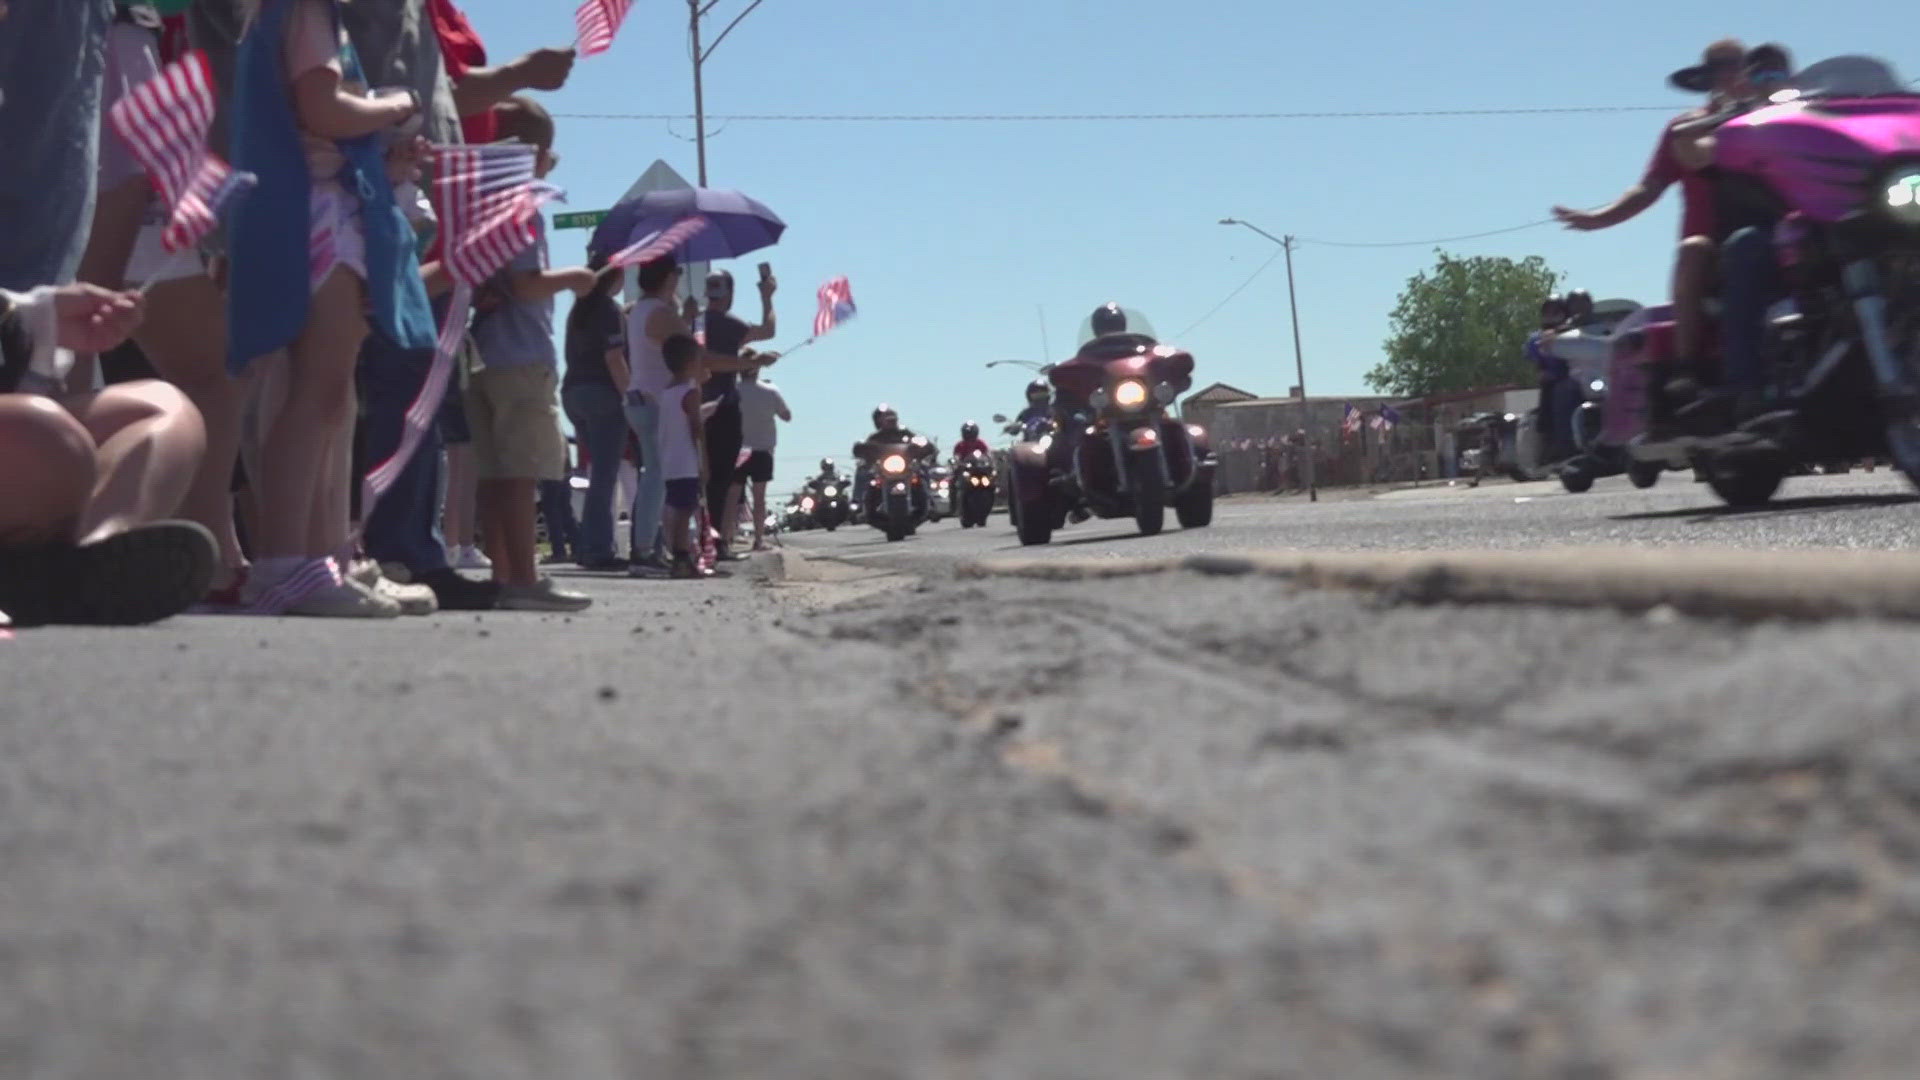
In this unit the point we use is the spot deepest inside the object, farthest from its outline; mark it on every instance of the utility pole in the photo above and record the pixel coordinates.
(1287, 244)
(696, 11)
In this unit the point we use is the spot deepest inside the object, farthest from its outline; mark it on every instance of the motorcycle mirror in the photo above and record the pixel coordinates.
(999, 418)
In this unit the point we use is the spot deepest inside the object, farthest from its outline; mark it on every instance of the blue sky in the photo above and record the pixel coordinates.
(957, 235)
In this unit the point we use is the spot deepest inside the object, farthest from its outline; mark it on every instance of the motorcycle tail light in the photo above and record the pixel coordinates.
(1144, 438)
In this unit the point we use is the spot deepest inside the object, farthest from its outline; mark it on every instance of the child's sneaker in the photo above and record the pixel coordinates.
(543, 595)
(413, 599)
(472, 558)
(314, 588)
(344, 600)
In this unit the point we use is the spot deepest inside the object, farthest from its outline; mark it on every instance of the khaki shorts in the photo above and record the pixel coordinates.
(514, 413)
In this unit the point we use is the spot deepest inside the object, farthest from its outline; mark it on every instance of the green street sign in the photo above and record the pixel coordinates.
(586, 219)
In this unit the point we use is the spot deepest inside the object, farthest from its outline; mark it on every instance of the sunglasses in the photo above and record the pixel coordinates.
(1767, 77)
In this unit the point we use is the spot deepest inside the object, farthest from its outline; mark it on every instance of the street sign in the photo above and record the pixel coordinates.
(660, 176)
(585, 219)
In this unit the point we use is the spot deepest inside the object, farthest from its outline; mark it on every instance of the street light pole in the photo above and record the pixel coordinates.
(696, 11)
(1287, 244)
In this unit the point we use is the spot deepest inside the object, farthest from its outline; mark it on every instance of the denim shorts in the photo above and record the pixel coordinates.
(52, 58)
(683, 494)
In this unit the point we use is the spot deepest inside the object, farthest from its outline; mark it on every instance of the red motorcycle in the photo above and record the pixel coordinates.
(1115, 451)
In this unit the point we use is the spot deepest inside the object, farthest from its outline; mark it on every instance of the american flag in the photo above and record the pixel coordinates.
(659, 244)
(164, 122)
(1350, 422)
(596, 21)
(836, 306)
(1385, 419)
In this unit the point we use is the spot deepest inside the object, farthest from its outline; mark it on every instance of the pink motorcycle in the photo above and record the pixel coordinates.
(1839, 159)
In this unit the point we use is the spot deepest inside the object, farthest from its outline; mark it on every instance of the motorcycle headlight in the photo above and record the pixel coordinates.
(831, 492)
(1903, 195)
(1130, 394)
(806, 504)
(1598, 386)
(894, 463)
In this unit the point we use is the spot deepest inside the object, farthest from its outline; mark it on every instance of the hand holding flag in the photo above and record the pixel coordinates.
(596, 22)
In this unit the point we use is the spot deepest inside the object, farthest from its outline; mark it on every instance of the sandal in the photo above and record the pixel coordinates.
(132, 578)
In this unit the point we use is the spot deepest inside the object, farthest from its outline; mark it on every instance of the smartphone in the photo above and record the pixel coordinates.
(766, 271)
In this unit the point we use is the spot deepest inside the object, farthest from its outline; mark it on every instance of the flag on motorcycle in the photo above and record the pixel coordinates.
(164, 122)
(596, 22)
(836, 306)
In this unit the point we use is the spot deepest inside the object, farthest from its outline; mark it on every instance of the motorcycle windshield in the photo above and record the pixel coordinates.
(1845, 76)
(1137, 323)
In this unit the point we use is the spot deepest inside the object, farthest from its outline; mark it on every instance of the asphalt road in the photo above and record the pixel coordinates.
(1857, 510)
(871, 825)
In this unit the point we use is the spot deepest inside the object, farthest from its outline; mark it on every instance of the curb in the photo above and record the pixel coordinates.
(1709, 582)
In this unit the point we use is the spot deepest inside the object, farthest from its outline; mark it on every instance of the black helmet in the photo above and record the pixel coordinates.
(969, 430)
(826, 464)
(880, 414)
(1038, 391)
(1553, 310)
(1109, 319)
(1579, 304)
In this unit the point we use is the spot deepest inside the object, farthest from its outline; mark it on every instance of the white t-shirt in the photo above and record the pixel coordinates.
(646, 367)
(676, 433)
(760, 409)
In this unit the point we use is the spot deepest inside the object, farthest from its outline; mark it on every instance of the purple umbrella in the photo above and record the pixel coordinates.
(736, 225)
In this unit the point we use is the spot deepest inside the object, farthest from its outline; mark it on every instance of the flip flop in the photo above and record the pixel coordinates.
(136, 577)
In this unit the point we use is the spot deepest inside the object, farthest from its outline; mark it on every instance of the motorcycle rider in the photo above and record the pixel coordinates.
(829, 472)
(1039, 408)
(970, 441)
(1750, 278)
(1111, 341)
(1559, 397)
(1721, 75)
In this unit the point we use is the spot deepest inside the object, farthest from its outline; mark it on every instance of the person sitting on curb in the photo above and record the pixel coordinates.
(89, 482)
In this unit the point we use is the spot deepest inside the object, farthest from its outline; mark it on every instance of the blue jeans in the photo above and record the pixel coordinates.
(556, 505)
(650, 496)
(53, 55)
(405, 525)
(1749, 283)
(600, 424)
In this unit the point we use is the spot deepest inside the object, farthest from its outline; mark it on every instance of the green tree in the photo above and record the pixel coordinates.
(1463, 324)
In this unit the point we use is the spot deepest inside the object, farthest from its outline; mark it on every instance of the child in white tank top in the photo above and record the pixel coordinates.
(681, 452)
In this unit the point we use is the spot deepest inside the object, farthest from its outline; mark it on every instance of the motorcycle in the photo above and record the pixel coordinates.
(896, 500)
(827, 502)
(1121, 455)
(940, 495)
(1495, 449)
(1588, 350)
(1837, 161)
(976, 482)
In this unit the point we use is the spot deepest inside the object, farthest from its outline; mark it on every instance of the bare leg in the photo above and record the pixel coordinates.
(730, 520)
(507, 516)
(46, 471)
(332, 500)
(318, 405)
(1691, 273)
(759, 514)
(185, 337)
(149, 447)
(460, 513)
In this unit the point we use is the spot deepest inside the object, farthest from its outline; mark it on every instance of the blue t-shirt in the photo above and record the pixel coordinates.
(1551, 366)
(518, 333)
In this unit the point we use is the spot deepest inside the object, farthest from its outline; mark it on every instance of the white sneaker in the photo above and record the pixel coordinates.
(413, 599)
(472, 558)
(543, 595)
(347, 600)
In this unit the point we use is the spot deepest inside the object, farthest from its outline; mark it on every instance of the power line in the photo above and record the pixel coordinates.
(1217, 308)
(1424, 243)
(1052, 118)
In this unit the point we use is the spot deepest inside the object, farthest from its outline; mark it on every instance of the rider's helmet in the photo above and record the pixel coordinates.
(1579, 305)
(969, 430)
(883, 413)
(1553, 311)
(826, 464)
(1038, 392)
(1109, 319)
